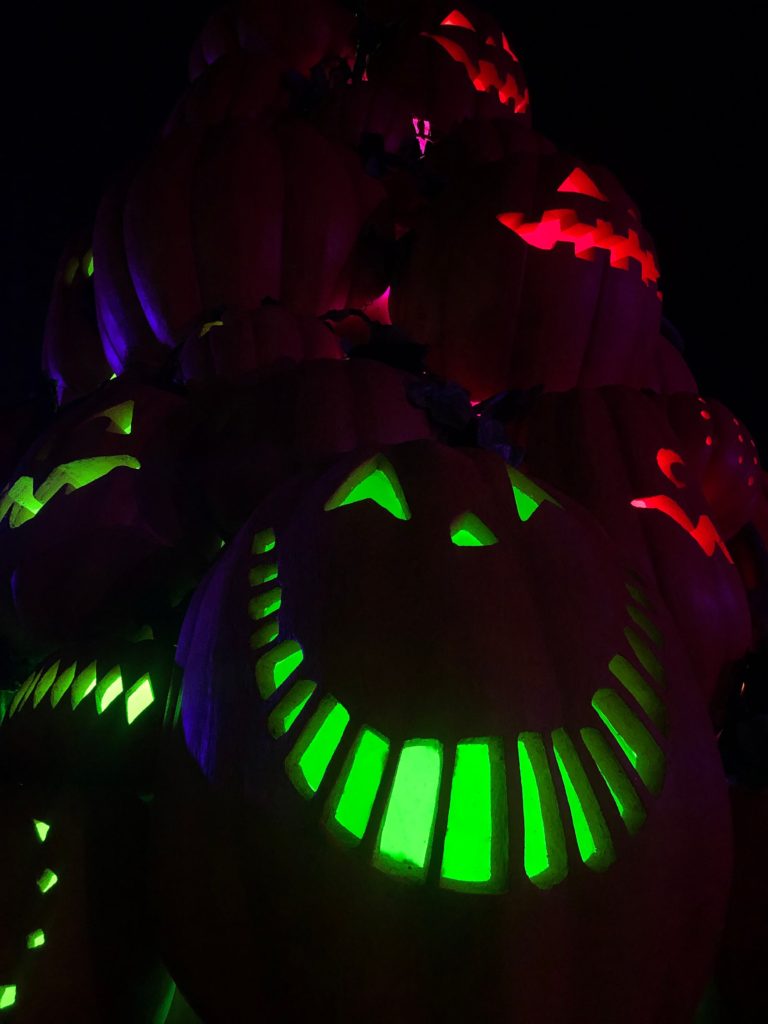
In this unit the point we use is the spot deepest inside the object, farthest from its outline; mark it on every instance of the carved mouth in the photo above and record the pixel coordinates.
(564, 226)
(485, 75)
(389, 799)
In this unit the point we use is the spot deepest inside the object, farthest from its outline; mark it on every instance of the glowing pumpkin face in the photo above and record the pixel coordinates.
(542, 275)
(93, 511)
(486, 55)
(409, 671)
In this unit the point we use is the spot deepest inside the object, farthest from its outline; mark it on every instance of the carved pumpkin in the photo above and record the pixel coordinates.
(533, 270)
(73, 356)
(432, 705)
(226, 216)
(613, 450)
(96, 525)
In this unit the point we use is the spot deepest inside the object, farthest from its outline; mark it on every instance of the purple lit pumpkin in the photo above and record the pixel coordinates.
(407, 684)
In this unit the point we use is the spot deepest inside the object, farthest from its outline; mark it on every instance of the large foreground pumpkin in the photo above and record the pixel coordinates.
(450, 763)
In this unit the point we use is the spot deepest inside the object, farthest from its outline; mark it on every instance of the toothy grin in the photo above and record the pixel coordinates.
(564, 226)
(475, 848)
(485, 76)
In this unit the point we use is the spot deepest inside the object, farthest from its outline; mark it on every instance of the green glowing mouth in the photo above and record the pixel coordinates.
(619, 751)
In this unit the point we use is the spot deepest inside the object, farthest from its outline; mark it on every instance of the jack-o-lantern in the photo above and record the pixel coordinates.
(73, 356)
(614, 451)
(438, 713)
(443, 67)
(227, 215)
(96, 525)
(534, 270)
(722, 455)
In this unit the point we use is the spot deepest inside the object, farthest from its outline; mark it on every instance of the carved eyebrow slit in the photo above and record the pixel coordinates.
(375, 480)
(528, 495)
(580, 182)
(458, 20)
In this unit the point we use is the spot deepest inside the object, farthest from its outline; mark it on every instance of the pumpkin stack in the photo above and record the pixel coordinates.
(381, 582)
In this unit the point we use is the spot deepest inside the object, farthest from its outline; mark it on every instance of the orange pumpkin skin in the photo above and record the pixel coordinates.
(520, 275)
(419, 637)
(604, 447)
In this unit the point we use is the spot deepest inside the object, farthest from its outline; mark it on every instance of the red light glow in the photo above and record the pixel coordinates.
(666, 459)
(457, 19)
(485, 76)
(705, 415)
(579, 181)
(564, 226)
(508, 48)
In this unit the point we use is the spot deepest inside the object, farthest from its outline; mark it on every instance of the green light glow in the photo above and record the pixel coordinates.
(42, 828)
(290, 707)
(351, 802)
(109, 689)
(45, 683)
(23, 692)
(7, 996)
(646, 657)
(36, 939)
(83, 685)
(632, 681)
(637, 595)
(62, 684)
(545, 857)
(265, 634)
(20, 500)
(263, 541)
(404, 843)
(262, 574)
(265, 604)
(616, 779)
(468, 531)
(47, 880)
(637, 744)
(113, 376)
(72, 267)
(308, 762)
(528, 495)
(274, 667)
(649, 628)
(475, 851)
(138, 698)
(88, 263)
(375, 481)
(592, 836)
(120, 418)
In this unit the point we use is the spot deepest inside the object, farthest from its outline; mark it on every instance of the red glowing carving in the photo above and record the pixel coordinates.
(508, 48)
(485, 75)
(705, 415)
(564, 226)
(579, 181)
(708, 441)
(704, 531)
(457, 19)
(490, 41)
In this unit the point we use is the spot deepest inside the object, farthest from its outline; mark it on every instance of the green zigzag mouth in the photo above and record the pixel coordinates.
(475, 837)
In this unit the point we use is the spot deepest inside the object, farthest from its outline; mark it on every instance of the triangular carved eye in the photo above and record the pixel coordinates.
(457, 19)
(528, 495)
(376, 481)
(469, 531)
(579, 181)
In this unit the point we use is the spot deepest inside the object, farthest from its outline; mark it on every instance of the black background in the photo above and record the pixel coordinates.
(671, 107)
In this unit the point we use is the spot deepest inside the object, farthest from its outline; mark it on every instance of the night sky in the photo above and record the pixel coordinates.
(670, 108)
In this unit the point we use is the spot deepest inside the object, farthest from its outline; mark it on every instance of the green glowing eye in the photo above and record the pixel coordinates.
(47, 880)
(475, 851)
(404, 844)
(120, 418)
(637, 744)
(528, 495)
(36, 939)
(468, 531)
(634, 683)
(42, 828)
(377, 481)
(274, 667)
(109, 688)
(351, 802)
(308, 762)
(7, 996)
(138, 698)
(621, 789)
(592, 836)
(545, 857)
